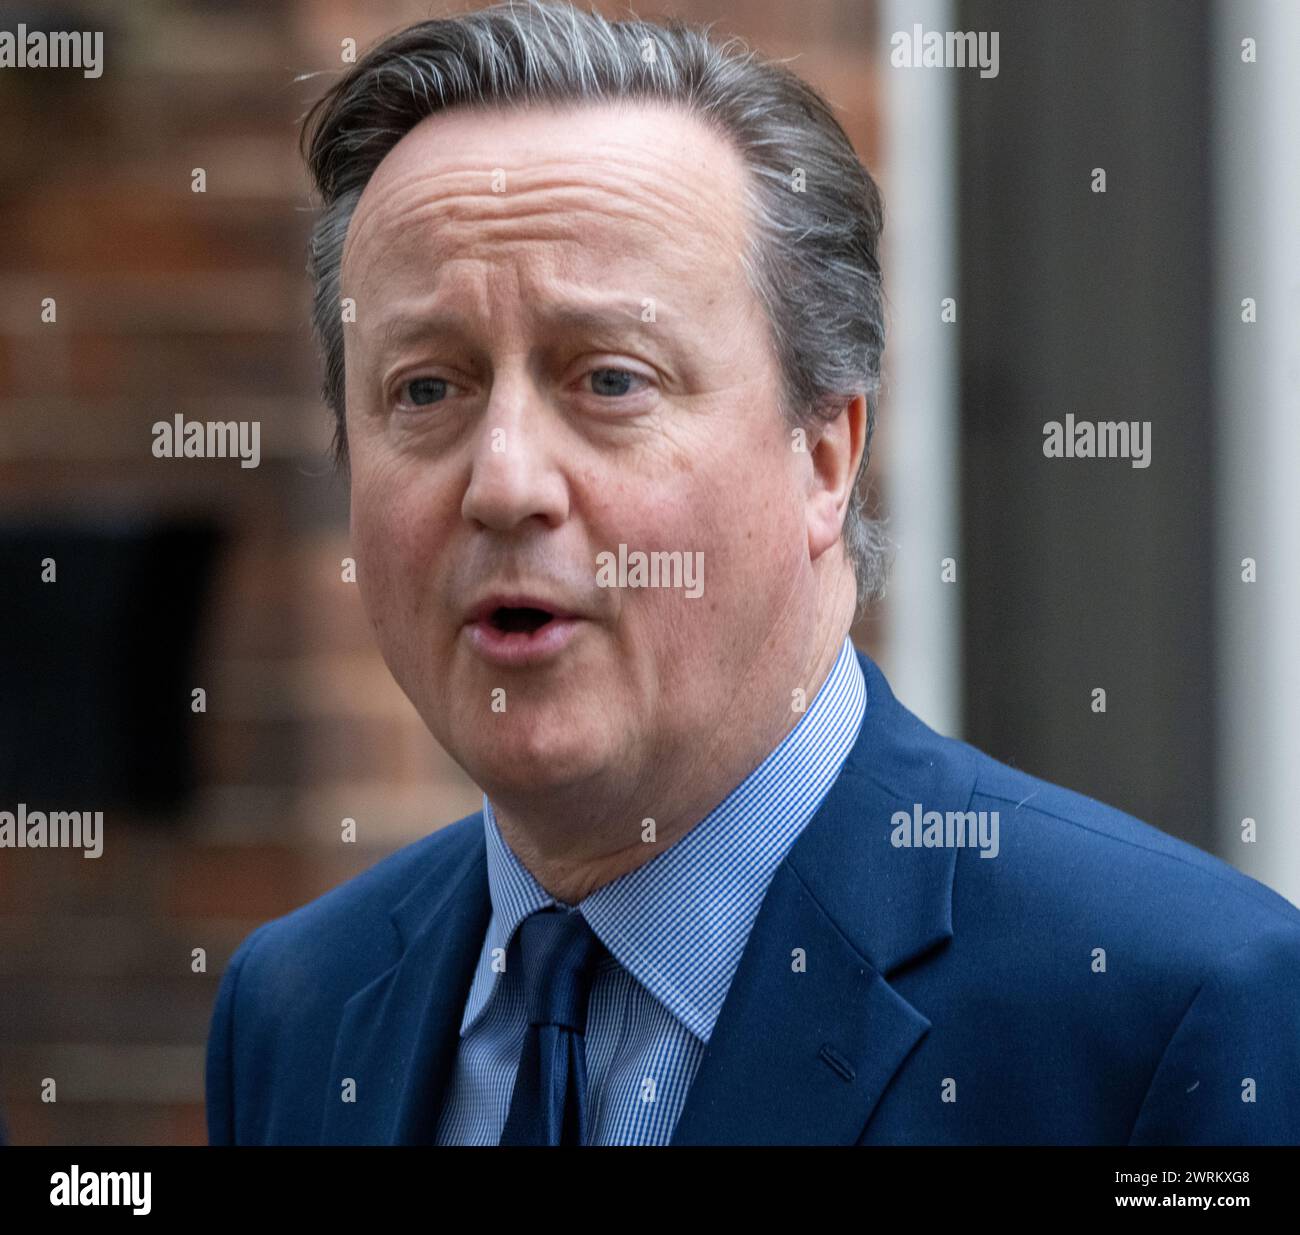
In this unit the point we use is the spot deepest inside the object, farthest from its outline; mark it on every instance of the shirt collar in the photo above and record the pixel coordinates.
(679, 923)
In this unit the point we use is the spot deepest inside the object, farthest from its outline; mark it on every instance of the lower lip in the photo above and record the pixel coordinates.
(518, 648)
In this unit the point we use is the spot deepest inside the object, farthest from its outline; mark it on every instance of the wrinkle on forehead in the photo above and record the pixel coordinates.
(656, 170)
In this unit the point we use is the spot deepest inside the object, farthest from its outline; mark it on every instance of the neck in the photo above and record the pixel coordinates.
(568, 843)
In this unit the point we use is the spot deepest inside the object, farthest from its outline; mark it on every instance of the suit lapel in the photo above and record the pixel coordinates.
(811, 1032)
(399, 1034)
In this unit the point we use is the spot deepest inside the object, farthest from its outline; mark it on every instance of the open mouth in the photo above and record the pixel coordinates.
(524, 620)
(520, 635)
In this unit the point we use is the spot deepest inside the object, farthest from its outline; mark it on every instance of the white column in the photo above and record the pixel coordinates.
(922, 657)
(1256, 151)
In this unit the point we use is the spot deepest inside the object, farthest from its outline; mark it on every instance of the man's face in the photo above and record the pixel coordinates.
(556, 354)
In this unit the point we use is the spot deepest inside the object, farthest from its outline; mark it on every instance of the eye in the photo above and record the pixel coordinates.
(422, 391)
(614, 382)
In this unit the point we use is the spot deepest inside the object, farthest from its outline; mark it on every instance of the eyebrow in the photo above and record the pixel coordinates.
(624, 316)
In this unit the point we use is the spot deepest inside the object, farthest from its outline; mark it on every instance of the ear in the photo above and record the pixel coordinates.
(836, 455)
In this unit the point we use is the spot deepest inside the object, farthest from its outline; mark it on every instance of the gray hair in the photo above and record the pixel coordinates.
(816, 213)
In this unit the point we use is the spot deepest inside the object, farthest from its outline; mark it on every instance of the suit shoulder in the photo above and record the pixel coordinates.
(352, 921)
(1083, 848)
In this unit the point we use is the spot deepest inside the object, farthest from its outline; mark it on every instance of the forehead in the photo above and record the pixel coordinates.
(635, 184)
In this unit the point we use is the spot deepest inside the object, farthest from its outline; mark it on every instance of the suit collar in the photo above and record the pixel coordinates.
(810, 1010)
(892, 903)
(398, 1036)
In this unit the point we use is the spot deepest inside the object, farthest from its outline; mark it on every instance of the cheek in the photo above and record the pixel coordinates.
(753, 519)
(748, 532)
(394, 548)
(740, 499)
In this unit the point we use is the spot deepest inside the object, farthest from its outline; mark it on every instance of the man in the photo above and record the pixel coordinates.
(601, 312)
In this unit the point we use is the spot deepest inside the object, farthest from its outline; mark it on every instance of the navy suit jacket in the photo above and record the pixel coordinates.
(1097, 982)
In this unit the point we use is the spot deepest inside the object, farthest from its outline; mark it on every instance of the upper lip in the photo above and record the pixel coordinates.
(482, 610)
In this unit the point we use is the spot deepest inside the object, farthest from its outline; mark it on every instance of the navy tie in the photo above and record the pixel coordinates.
(559, 953)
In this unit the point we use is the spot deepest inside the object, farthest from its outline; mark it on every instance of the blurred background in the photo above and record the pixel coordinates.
(1021, 585)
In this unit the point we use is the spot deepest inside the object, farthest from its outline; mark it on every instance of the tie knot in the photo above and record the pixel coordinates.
(559, 953)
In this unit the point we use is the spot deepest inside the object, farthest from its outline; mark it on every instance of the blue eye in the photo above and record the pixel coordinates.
(425, 390)
(621, 378)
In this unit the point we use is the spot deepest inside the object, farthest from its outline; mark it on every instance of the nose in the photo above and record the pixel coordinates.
(514, 471)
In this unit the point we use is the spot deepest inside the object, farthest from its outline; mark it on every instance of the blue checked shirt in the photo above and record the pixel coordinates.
(675, 929)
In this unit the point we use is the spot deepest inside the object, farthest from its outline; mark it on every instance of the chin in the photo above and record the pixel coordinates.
(521, 779)
(522, 756)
